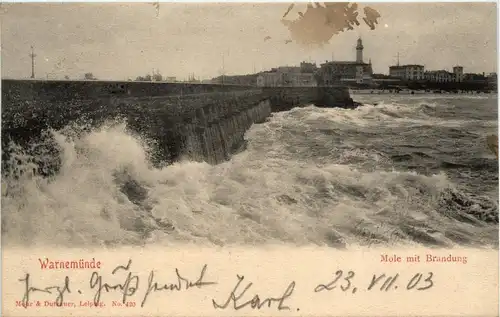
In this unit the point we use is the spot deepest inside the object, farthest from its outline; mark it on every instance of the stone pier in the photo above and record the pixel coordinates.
(198, 121)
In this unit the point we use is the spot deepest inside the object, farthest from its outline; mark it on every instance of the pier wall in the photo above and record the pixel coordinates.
(198, 121)
(285, 98)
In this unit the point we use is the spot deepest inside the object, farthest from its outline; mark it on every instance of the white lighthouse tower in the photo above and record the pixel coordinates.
(359, 51)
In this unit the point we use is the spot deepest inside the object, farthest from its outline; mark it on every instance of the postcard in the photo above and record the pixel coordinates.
(249, 159)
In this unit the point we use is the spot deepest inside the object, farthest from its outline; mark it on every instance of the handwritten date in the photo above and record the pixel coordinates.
(383, 282)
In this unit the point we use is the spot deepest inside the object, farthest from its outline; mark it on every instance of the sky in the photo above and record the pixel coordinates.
(117, 41)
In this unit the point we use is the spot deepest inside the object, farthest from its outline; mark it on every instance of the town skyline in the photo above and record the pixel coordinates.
(120, 41)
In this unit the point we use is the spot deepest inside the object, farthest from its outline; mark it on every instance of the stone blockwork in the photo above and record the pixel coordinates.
(334, 97)
(202, 122)
(285, 98)
(46, 90)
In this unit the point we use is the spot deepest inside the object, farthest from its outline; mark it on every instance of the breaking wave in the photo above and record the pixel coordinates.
(394, 173)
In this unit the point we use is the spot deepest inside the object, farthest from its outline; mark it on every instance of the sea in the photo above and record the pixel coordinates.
(402, 170)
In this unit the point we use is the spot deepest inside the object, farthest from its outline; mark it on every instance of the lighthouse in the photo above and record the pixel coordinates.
(359, 51)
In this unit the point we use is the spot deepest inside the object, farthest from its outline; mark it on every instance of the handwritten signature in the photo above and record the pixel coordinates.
(127, 288)
(256, 302)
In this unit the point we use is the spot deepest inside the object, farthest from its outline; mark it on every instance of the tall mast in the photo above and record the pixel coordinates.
(223, 68)
(32, 55)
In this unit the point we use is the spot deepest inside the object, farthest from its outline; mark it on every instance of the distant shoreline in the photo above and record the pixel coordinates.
(415, 92)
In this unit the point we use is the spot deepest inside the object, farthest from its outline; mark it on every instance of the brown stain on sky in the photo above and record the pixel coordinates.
(157, 7)
(320, 22)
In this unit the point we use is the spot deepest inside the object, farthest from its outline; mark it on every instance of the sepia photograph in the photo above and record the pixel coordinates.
(333, 125)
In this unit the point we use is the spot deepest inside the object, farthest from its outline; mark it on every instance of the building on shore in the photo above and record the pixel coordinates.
(492, 79)
(306, 67)
(439, 76)
(386, 80)
(471, 77)
(410, 72)
(444, 76)
(289, 76)
(335, 72)
(417, 73)
(458, 74)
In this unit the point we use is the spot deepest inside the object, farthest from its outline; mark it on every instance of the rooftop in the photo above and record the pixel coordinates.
(407, 65)
(344, 63)
(437, 71)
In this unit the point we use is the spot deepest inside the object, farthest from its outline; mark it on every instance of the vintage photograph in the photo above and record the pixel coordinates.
(335, 125)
